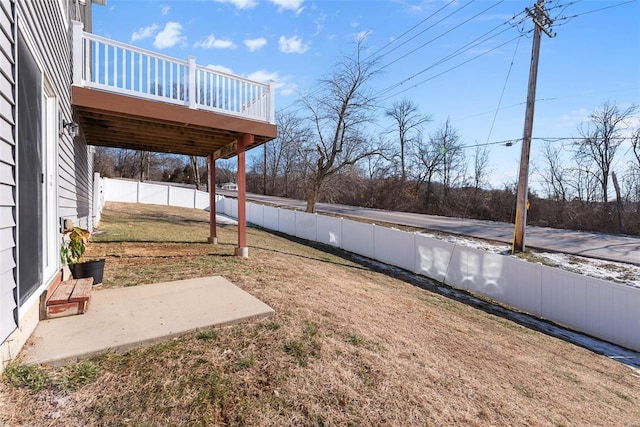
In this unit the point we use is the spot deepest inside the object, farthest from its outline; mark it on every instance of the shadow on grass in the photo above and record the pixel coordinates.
(628, 357)
(166, 217)
(168, 242)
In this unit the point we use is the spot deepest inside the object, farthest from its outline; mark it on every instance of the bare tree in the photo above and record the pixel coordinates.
(280, 160)
(196, 171)
(430, 159)
(104, 161)
(633, 177)
(447, 140)
(480, 167)
(127, 164)
(408, 123)
(601, 140)
(556, 175)
(226, 171)
(584, 182)
(635, 145)
(375, 169)
(338, 113)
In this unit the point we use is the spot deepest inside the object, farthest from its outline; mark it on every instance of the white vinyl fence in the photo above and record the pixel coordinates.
(118, 190)
(609, 311)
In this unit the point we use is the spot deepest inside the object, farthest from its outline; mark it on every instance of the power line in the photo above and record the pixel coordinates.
(511, 142)
(432, 40)
(566, 19)
(504, 87)
(408, 31)
(472, 44)
(461, 50)
(318, 85)
(449, 69)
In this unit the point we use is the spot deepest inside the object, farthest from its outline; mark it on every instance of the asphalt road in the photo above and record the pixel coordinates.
(595, 245)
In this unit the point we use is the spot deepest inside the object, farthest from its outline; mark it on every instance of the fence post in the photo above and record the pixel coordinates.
(315, 227)
(168, 195)
(415, 252)
(191, 91)
(138, 192)
(373, 238)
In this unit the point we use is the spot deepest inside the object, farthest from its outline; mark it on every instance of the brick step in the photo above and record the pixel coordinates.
(69, 298)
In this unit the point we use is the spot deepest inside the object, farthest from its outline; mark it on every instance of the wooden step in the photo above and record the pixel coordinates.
(69, 298)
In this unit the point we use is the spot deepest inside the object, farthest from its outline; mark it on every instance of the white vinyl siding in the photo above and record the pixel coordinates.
(43, 22)
(7, 170)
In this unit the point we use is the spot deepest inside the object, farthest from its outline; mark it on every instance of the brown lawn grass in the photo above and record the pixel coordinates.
(347, 345)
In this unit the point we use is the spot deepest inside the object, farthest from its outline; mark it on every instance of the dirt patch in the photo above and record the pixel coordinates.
(347, 346)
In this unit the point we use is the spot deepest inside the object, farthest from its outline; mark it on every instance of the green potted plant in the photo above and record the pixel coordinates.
(74, 244)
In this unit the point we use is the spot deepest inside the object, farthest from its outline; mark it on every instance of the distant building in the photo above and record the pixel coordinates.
(231, 186)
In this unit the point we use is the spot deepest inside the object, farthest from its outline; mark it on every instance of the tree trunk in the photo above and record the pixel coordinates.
(196, 171)
(264, 170)
(143, 156)
(619, 204)
(313, 191)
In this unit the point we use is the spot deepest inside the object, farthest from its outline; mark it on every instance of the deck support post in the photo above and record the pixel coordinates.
(213, 237)
(242, 250)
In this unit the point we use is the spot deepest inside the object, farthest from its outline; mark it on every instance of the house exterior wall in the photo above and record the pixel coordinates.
(7, 170)
(46, 28)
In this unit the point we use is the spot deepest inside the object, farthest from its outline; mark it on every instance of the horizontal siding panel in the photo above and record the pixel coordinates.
(8, 261)
(6, 152)
(6, 128)
(6, 195)
(5, 20)
(6, 242)
(6, 174)
(6, 110)
(6, 217)
(6, 43)
(6, 6)
(5, 65)
(6, 86)
(7, 304)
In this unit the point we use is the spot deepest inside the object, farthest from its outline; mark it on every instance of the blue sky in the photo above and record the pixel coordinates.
(594, 57)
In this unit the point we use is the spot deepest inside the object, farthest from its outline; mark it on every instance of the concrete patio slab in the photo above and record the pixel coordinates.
(124, 318)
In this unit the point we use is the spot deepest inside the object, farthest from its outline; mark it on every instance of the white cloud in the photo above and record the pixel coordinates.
(240, 4)
(362, 35)
(220, 68)
(212, 42)
(293, 44)
(255, 44)
(164, 9)
(289, 5)
(169, 36)
(288, 89)
(279, 82)
(144, 32)
(319, 23)
(263, 76)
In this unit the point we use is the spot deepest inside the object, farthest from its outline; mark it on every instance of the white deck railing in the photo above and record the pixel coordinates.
(112, 66)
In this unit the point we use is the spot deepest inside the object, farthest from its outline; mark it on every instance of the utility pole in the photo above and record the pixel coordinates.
(542, 23)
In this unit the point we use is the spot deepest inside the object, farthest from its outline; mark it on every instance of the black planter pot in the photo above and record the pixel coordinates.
(93, 269)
